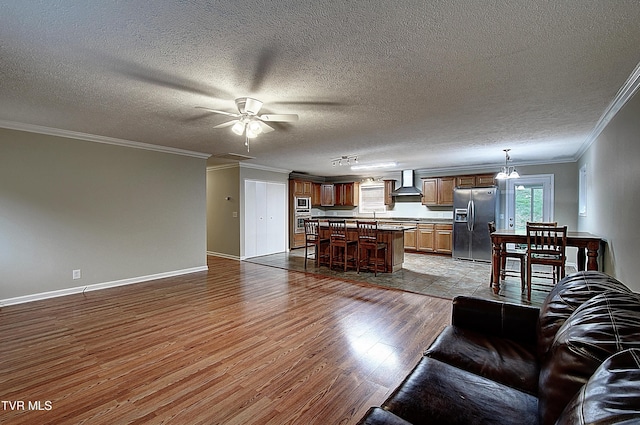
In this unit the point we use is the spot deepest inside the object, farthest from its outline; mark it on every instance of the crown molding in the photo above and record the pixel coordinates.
(49, 131)
(626, 92)
(222, 167)
(264, 168)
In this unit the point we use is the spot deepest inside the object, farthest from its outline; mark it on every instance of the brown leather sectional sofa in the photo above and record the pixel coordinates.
(575, 360)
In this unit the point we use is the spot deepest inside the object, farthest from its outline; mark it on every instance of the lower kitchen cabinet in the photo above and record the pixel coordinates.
(443, 238)
(429, 237)
(410, 239)
(425, 237)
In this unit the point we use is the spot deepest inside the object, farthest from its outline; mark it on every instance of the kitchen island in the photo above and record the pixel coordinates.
(391, 234)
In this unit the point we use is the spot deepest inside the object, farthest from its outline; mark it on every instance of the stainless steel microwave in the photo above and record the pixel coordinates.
(303, 203)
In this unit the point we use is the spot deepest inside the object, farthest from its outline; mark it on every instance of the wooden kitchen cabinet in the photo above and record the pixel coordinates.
(429, 237)
(443, 238)
(327, 196)
(473, 180)
(346, 194)
(438, 191)
(425, 237)
(410, 239)
(389, 186)
(316, 194)
(485, 180)
(302, 188)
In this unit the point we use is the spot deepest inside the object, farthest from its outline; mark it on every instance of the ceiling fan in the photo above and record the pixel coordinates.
(247, 121)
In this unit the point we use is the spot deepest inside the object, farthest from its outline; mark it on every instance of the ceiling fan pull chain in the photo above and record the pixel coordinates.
(246, 141)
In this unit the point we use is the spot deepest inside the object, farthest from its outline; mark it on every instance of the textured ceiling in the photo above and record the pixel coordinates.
(429, 84)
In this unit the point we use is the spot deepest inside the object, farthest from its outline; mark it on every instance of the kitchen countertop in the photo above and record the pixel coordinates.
(388, 227)
(398, 220)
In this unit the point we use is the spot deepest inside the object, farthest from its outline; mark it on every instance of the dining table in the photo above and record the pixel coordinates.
(588, 247)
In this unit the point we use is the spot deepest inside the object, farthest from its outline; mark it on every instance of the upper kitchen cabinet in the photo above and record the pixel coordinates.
(438, 191)
(302, 188)
(479, 180)
(389, 186)
(327, 198)
(316, 194)
(347, 194)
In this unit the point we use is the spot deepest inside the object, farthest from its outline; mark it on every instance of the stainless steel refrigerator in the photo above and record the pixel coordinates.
(472, 209)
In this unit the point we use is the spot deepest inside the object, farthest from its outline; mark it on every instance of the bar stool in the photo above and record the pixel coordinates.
(367, 242)
(338, 239)
(312, 239)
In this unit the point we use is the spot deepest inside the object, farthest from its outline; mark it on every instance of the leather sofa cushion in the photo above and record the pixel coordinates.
(438, 393)
(378, 416)
(499, 359)
(604, 325)
(569, 294)
(611, 396)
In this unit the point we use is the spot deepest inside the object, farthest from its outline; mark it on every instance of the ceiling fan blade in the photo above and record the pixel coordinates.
(226, 124)
(279, 117)
(265, 62)
(266, 128)
(215, 111)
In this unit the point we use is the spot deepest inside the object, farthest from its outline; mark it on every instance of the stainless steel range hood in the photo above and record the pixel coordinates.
(407, 188)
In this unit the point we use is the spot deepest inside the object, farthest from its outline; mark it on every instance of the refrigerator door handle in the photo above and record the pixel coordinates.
(473, 216)
(470, 216)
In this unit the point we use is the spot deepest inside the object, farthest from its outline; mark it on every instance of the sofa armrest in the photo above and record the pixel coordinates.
(506, 320)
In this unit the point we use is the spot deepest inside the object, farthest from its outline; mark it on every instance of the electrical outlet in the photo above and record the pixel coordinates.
(77, 274)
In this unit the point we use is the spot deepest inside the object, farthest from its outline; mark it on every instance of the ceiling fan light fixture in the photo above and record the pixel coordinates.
(238, 128)
(254, 127)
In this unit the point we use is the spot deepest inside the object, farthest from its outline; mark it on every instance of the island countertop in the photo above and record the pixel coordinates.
(391, 234)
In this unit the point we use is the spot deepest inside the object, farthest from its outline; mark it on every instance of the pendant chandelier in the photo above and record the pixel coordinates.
(507, 172)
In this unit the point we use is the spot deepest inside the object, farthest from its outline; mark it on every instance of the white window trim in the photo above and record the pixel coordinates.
(548, 201)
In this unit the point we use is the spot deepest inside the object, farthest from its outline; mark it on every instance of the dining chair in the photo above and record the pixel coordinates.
(505, 253)
(312, 239)
(338, 239)
(546, 245)
(368, 242)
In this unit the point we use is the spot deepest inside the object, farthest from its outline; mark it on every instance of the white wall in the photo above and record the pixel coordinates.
(118, 214)
(613, 193)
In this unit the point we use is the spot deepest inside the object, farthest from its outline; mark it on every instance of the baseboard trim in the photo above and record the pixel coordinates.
(97, 286)
(219, 254)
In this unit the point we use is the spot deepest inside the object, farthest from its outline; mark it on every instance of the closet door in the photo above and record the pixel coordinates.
(276, 217)
(265, 218)
(250, 221)
(261, 218)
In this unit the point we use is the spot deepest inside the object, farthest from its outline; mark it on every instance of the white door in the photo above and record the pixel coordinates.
(276, 216)
(265, 223)
(250, 221)
(529, 198)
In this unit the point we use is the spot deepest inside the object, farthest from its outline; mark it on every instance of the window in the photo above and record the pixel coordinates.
(372, 198)
(582, 191)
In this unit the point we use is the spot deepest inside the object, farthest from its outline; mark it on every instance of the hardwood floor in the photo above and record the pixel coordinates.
(240, 344)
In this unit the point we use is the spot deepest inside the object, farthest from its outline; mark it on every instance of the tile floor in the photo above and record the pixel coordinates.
(429, 274)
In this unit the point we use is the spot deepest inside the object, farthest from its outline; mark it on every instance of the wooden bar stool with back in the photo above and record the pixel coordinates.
(367, 242)
(312, 239)
(338, 239)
